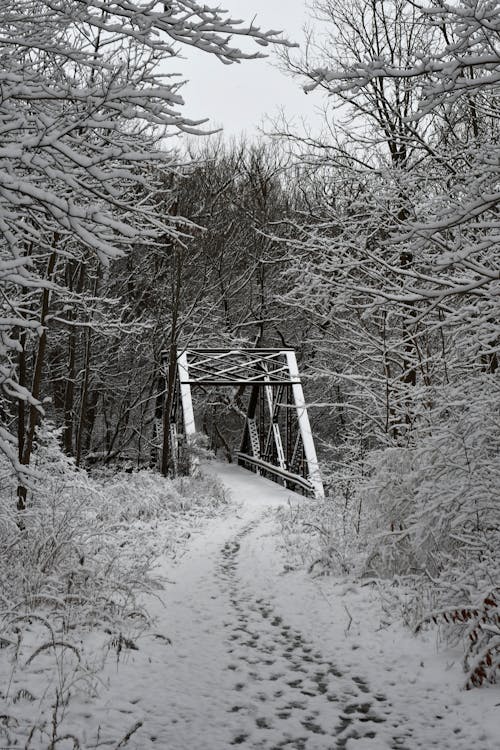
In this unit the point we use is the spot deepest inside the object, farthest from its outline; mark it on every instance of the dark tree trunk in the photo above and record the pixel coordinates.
(28, 434)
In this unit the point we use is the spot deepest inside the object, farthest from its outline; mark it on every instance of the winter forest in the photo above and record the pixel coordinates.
(370, 247)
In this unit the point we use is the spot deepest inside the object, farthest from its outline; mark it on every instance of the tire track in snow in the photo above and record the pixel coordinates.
(287, 694)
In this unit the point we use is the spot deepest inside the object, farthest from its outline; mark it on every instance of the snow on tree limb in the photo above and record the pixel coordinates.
(83, 114)
(468, 61)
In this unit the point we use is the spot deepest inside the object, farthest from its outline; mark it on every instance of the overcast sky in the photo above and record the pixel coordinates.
(240, 96)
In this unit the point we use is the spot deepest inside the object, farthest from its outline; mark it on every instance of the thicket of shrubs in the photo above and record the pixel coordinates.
(426, 515)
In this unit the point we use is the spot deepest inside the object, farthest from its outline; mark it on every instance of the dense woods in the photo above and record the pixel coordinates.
(371, 249)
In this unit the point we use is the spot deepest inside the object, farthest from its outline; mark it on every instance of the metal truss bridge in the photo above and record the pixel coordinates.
(277, 441)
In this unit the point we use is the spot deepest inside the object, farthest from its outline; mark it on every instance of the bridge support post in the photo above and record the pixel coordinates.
(187, 410)
(305, 426)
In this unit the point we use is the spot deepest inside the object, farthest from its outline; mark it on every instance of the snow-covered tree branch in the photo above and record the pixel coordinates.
(84, 110)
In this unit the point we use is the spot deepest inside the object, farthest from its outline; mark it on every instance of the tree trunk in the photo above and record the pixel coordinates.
(28, 435)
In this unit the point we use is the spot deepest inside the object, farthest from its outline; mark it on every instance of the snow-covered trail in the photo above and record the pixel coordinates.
(237, 672)
(261, 657)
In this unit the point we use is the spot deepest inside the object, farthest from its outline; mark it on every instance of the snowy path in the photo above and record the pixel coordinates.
(260, 658)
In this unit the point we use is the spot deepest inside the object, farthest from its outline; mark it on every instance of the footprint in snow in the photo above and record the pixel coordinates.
(309, 720)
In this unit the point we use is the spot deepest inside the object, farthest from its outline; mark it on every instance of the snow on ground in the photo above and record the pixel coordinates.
(247, 652)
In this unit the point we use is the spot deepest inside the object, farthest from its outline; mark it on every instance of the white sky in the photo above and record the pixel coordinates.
(239, 97)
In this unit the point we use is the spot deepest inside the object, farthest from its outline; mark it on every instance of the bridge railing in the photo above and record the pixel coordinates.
(275, 473)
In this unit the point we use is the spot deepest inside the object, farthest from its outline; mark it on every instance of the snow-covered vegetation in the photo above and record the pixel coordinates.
(77, 576)
(423, 517)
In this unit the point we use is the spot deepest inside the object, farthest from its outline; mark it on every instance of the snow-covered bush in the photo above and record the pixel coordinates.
(328, 536)
(434, 503)
(435, 510)
(145, 496)
(64, 556)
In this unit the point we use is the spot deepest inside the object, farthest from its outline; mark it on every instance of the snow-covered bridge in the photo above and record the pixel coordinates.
(277, 440)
